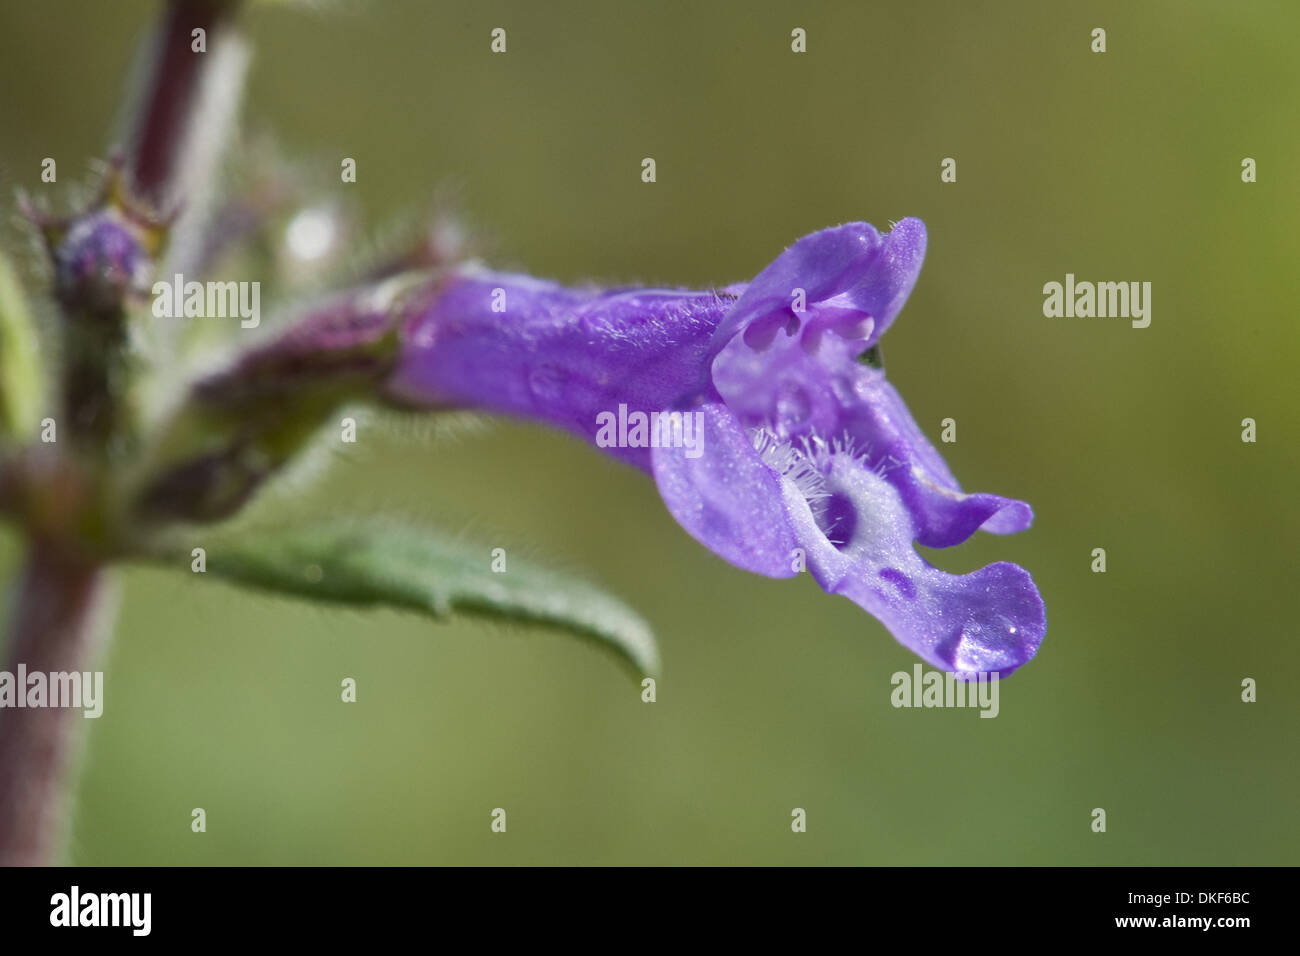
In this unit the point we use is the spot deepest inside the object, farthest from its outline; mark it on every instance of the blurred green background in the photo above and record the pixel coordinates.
(1115, 166)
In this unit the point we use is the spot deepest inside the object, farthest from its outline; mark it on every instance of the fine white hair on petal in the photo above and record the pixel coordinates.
(807, 462)
(794, 463)
(823, 452)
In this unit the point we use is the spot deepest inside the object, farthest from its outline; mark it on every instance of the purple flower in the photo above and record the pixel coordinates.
(791, 452)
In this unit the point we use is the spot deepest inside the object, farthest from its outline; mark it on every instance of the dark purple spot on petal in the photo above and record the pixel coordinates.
(901, 581)
(839, 520)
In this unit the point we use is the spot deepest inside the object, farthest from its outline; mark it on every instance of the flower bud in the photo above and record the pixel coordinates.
(238, 426)
(100, 263)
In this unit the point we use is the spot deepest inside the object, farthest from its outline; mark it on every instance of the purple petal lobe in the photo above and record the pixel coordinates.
(858, 538)
(795, 397)
(727, 497)
(878, 421)
(852, 280)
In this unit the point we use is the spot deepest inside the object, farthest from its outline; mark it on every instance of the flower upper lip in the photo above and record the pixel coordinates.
(853, 264)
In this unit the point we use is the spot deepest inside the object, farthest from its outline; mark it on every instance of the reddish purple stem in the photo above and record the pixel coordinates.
(52, 628)
(173, 87)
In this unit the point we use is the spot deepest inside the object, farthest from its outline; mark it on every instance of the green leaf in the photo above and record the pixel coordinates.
(20, 370)
(390, 564)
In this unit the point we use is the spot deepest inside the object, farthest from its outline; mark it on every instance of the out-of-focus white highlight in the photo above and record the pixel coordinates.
(310, 234)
